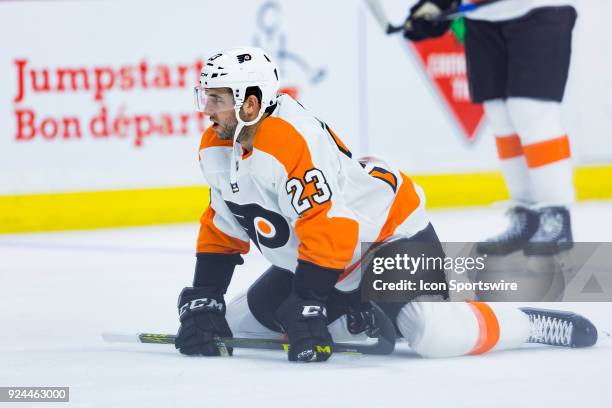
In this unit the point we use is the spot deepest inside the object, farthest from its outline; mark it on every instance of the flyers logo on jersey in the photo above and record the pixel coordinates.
(264, 227)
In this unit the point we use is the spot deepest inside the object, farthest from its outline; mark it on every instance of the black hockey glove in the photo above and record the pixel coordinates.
(305, 323)
(419, 26)
(202, 316)
(360, 319)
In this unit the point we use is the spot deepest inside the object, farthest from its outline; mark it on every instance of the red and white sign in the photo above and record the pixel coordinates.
(443, 60)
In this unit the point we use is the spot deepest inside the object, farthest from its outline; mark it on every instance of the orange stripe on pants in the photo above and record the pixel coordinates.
(508, 146)
(547, 152)
(488, 328)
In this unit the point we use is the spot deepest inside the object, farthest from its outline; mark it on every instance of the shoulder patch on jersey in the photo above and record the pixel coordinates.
(280, 139)
(210, 139)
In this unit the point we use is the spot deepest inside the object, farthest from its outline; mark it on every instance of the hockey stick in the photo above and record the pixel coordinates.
(379, 14)
(385, 340)
(381, 347)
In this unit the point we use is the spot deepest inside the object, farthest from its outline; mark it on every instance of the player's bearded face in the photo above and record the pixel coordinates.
(224, 124)
(219, 106)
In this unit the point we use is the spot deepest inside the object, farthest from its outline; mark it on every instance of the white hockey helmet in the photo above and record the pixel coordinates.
(239, 69)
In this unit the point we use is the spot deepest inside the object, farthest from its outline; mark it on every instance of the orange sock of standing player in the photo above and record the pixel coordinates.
(546, 150)
(510, 152)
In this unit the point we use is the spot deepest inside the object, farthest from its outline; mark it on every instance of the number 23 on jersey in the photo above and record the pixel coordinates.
(296, 187)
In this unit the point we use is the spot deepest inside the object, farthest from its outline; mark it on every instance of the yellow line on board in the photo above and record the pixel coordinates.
(473, 189)
(103, 209)
(460, 190)
(593, 183)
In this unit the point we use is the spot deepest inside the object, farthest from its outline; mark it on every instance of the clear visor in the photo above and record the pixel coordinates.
(213, 100)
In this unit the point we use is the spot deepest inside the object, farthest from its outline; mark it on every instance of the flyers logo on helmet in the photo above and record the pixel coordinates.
(244, 57)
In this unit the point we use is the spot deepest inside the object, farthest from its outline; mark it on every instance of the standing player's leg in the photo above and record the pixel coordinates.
(523, 221)
(539, 51)
(487, 62)
(487, 69)
(509, 151)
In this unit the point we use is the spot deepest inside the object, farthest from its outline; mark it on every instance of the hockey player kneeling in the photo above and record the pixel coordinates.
(281, 179)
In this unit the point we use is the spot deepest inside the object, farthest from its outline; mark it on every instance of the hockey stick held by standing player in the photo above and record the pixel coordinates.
(429, 14)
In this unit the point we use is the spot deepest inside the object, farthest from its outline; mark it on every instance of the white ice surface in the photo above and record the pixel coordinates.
(59, 291)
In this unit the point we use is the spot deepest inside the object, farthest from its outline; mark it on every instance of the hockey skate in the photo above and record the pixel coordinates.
(559, 328)
(523, 224)
(554, 233)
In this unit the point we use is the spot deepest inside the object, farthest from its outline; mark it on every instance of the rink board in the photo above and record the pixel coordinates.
(70, 211)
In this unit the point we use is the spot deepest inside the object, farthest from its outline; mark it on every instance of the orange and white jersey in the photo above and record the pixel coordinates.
(509, 9)
(302, 196)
